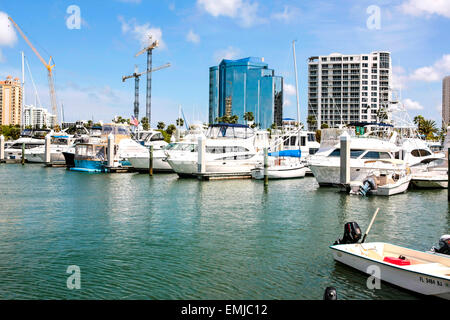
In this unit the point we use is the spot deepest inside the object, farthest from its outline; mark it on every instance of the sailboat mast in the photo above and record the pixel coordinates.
(23, 92)
(296, 83)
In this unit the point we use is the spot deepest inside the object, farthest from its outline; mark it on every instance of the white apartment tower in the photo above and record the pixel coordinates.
(348, 89)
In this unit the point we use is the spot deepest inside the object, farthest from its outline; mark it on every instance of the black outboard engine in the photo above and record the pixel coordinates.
(368, 184)
(444, 245)
(352, 234)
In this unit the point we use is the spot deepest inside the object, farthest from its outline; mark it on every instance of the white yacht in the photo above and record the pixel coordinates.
(230, 149)
(149, 138)
(31, 139)
(430, 173)
(59, 143)
(325, 164)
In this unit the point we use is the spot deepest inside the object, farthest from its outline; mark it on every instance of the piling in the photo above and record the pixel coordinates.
(266, 167)
(178, 135)
(201, 155)
(345, 159)
(48, 155)
(23, 153)
(2, 148)
(448, 173)
(110, 155)
(150, 161)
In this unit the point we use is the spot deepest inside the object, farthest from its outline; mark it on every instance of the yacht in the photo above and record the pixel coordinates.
(140, 160)
(59, 143)
(31, 139)
(325, 164)
(149, 138)
(229, 149)
(430, 173)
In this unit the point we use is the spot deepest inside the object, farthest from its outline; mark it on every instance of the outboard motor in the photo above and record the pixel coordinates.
(352, 234)
(368, 184)
(444, 245)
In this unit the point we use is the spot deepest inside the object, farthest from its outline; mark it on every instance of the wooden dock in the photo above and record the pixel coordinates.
(120, 170)
(221, 176)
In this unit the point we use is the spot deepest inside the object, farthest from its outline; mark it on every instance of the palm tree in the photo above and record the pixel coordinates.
(249, 117)
(180, 122)
(311, 121)
(418, 119)
(161, 125)
(145, 124)
(428, 128)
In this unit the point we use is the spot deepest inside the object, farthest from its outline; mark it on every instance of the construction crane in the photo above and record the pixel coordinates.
(149, 50)
(48, 65)
(136, 75)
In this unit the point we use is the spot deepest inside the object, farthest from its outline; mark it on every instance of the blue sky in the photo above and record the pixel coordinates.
(196, 34)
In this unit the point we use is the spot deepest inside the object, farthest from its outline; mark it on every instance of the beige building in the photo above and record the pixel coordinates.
(446, 102)
(10, 101)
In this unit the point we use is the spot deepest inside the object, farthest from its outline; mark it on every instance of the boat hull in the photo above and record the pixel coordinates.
(414, 281)
(432, 183)
(279, 173)
(142, 164)
(330, 175)
(186, 168)
(390, 190)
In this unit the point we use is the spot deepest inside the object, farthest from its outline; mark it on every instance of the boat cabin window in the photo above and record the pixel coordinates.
(313, 150)
(311, 137)
(303, 141)
(106, 130)
(376, 155)
(238, 157)
(157, 137)
(182, 147)
(229, 131)
(354, 153)
(290, 141)
(230, 149)
(420, 153)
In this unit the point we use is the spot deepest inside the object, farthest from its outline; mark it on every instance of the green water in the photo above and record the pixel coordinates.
(137, 237)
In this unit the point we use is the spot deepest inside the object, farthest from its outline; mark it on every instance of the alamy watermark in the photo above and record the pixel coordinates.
(74, 19)
(374, 20)
(374, 281)
(74, 280)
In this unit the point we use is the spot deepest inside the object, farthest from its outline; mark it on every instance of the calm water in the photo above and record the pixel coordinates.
(136, 237)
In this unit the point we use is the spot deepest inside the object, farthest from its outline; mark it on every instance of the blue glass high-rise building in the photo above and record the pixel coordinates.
(246, 85)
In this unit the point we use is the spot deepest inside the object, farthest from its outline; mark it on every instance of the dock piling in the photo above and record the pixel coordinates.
(266, 167)
(345, 159)
(23, 153)
(201, 155)
(150, 163)
(110, 154)
(2, 148)
(448, 173)
(47, 155)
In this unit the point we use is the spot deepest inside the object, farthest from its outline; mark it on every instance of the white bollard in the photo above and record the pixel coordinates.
(48, 149)
(345, 158)
(201, 149)
(110, 154)
(2, 148)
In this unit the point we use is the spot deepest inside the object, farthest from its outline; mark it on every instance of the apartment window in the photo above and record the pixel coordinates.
(324, 59)
(365, 58)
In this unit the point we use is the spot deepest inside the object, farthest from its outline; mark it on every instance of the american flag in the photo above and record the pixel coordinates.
(134, 121)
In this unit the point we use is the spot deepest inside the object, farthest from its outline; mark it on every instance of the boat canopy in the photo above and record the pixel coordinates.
(287, 153)
(229, 130)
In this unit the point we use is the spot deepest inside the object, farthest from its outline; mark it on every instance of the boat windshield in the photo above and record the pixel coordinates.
(229, 131)
(182, 147)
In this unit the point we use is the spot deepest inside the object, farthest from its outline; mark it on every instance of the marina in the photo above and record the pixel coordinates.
(162, 237)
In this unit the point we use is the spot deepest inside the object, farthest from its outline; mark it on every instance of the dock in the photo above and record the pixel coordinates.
(120, 170)
(221, 176)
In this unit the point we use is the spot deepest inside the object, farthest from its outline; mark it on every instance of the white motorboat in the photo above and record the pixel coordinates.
(386, 182)
(140, 160)
(59, 143)
(230, 149)
(149, 138)
(31, 139)
(281, 168)
(325, 164)
(430, 173)
(422, 272)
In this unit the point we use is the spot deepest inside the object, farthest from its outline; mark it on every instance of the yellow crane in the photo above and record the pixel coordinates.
(48, 65)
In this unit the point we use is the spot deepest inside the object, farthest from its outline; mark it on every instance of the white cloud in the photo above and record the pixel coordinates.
(244, 11)
(426, 7)
(229, 53)
(289, 14)
(8, 35)
(141, 32)
(287, 102)
(436, 72)
(192, 37)
(412, 105)
(289, 89)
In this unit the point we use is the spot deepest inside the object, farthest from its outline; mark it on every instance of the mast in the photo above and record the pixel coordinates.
(296, 84)
(23, 92)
